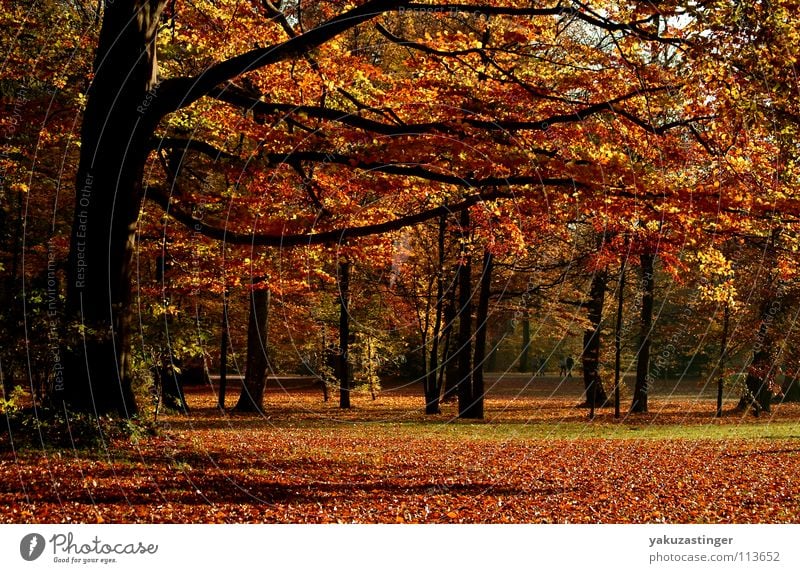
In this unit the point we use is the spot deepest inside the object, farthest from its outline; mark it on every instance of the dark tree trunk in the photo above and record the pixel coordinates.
(168, 368)
(10, 295)
(223, 354)
(464, 351)
(475, 408)
(524, 357)
(432, 387)
(449, 369)
(723, 349)
(618, 336)
(255, 376)
(759, 393)
(595, 393)
(760, 371)
(171, 384)
(7, 383)
(491, 362)
(343, 369)
(115, 136)
(640, 390)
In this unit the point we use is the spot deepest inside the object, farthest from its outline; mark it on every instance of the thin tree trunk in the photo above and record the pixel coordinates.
(475, 408)
(464, 352)
(343, 369)
(618, 337)
(223, 354)
(432, 388)
(640, 391)
(323, 377)
(590, 358)
(251, 398)
(723, 349)
(115, 142)
(449, 369)
(524, 357)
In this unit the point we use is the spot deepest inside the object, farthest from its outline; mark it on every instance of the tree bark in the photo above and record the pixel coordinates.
(223, 354)
(343, 370)
(475, 408)
(251, 398)
(171, 384)
(432, 388)
(595, 393)
(618, 336)
(449, 369)
(524, 357)
(464, 352)
(759, 394)
(115, 137)
(640, 391)
(723, 350)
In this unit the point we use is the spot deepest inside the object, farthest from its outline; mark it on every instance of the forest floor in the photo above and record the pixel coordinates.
(536, 458)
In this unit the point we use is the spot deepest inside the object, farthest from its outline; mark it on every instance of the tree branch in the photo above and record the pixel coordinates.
(177, 93)
(162, 199)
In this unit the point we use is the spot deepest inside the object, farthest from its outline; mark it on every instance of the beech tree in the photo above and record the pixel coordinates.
(550, 96)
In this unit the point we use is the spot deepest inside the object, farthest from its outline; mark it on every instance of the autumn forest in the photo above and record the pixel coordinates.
(377, 261)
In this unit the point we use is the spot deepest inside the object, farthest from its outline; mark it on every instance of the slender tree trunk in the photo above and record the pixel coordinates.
(641, 388)
(343, 369)
(464, 352)
(723, 349)
(524, 357)
(449, 369)
(223, 354)
(115, 136)
(5, 383)
(618, 337)
(328, 362)
(432, 388)
(251, 398)
(475, 408)
(595, 393)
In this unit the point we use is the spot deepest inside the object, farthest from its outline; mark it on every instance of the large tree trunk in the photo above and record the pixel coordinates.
(475, 408)
(257, 365)
(343, 369)
(11, 308)
(639, 404)
(757, 382)
(117, 127)
(432, 388)
(595, 393)
(761, 369)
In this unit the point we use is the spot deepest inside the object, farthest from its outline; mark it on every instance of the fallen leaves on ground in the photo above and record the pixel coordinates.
(317, 465)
